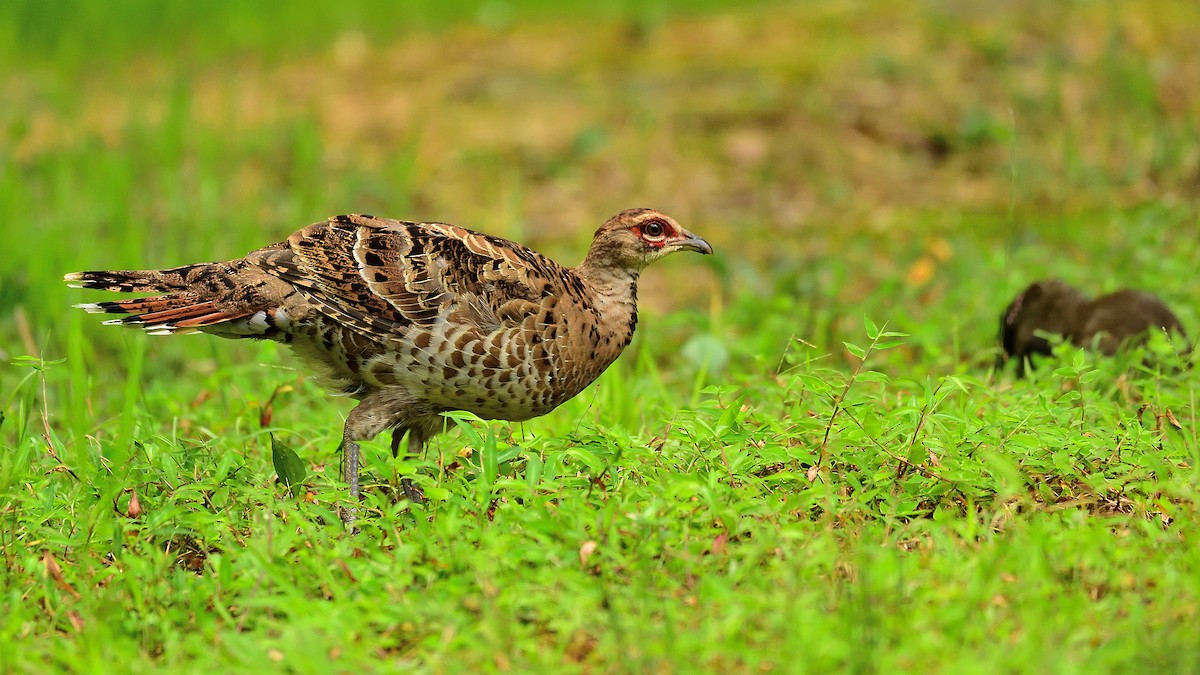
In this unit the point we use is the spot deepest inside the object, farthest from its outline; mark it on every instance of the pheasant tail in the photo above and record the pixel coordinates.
(187, 300)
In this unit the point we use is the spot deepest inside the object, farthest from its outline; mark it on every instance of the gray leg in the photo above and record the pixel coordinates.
(377, 412)
(350, 476)
(416, 442)
(350, 466)
(357, 428)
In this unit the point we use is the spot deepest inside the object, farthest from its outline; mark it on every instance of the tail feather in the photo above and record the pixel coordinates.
(136, 281)
(166, 314)
(178, 312)
(183, 309)
(230, 299)
(132, 306)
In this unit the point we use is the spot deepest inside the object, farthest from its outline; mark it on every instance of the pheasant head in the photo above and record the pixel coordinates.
(632, 239)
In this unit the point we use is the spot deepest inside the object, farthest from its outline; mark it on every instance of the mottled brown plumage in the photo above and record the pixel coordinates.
(1052, 306)
(416, 319)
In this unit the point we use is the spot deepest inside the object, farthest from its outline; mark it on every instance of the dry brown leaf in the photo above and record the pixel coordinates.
(268, 410)
(346, 569)
(718, 544)
(586, 551)
(580, 646)
(135, 506)
(1171, 418)
(55, 572)
(812, 472)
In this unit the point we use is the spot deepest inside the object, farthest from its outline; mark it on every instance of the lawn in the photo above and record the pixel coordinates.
(805, 462)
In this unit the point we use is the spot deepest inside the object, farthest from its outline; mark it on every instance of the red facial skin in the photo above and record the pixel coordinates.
(669, 233)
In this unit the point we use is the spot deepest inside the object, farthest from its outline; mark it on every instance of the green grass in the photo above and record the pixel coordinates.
(741, 492)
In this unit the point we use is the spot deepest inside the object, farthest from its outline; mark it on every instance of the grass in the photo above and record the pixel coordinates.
(804, 463)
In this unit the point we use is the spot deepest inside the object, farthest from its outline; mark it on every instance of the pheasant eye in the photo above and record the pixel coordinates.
(653, 230)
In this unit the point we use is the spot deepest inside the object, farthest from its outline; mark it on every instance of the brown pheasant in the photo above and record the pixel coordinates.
(416, 319)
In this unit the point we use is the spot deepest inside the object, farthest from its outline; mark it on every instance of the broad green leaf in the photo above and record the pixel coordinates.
(288, 465)
(854, 349)
(873, 376)
(872, 329)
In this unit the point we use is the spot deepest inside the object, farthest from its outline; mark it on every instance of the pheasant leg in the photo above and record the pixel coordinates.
(350, 467)
(350, 476)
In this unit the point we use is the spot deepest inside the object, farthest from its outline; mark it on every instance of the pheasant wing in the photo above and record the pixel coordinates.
(381, 277)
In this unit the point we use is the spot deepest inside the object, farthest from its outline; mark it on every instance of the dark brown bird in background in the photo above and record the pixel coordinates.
(416, 319)
(1108, 322)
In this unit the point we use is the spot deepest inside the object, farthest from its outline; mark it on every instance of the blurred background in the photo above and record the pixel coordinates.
(915, 162)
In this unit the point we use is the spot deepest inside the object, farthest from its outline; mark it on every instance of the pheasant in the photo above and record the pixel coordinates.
(1107, 322)
(416, 319)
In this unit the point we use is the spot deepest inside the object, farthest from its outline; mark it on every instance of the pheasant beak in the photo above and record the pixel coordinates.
(690, 242)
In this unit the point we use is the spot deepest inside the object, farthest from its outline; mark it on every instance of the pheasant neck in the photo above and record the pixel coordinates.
(609, 280)
(614, 294)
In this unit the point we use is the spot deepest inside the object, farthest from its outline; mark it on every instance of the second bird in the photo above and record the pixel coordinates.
(1052, 306)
